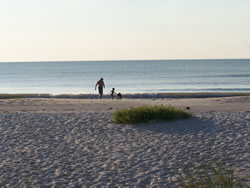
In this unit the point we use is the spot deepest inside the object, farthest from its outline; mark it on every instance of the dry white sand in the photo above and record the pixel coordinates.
(73, 143)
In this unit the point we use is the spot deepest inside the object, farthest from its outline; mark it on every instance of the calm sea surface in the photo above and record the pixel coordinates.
(126, 76)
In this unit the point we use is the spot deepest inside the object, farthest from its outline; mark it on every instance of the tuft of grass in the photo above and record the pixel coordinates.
(148, 113)
(211, 176)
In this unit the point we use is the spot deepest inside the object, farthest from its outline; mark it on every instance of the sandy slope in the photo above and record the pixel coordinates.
(73, 143)
(223, 104)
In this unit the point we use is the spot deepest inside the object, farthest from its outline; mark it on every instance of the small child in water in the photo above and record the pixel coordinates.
(112, 93)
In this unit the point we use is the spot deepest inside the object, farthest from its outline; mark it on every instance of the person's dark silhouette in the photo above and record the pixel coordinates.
(100, 85)
(112, 93)
(119, 96)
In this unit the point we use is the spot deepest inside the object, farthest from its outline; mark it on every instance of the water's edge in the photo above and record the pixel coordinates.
(129, 96)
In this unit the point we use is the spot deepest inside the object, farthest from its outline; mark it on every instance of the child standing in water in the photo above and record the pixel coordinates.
(112, 93)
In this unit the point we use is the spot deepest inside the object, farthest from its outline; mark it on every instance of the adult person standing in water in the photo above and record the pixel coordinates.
(101, 85)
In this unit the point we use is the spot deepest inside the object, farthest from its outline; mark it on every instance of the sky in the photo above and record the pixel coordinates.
(66, 30)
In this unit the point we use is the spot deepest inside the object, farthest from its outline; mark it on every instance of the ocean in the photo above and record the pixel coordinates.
(144, 76)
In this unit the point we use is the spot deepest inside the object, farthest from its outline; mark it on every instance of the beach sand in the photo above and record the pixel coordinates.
(73, 142)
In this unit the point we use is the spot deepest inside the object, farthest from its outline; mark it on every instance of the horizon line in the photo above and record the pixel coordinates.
(38, 61)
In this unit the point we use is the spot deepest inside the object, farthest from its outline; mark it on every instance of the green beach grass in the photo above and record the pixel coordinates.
(212, 176)
(144, 114)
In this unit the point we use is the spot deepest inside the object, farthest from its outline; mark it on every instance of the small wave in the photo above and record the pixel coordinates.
(186, 94)
(221, 76)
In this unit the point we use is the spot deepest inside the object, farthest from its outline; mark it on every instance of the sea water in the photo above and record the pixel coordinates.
(149, 76)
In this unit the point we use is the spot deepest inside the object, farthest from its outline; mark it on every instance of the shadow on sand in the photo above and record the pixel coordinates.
(180, 127)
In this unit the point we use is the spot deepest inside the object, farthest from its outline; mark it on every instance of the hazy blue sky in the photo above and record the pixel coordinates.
(123, 29)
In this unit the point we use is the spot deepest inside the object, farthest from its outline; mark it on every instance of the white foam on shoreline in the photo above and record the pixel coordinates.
(75, 149)
(129, 95)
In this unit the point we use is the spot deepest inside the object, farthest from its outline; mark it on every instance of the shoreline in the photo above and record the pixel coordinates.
(127, 95)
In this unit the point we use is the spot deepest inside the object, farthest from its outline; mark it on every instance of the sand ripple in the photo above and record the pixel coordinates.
(87, 149)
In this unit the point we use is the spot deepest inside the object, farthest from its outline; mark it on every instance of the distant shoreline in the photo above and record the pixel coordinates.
(128, 96)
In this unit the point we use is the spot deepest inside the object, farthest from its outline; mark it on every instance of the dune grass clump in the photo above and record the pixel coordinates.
(144, 114)
(212, 176)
